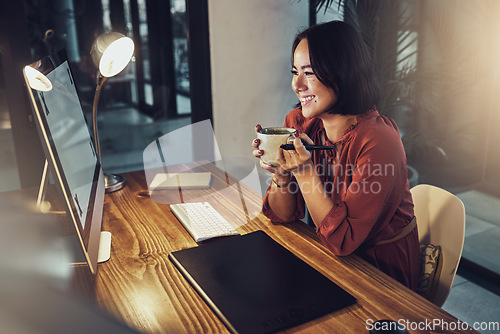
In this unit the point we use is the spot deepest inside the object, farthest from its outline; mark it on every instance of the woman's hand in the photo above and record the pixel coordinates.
(299, 160)
(280, 173)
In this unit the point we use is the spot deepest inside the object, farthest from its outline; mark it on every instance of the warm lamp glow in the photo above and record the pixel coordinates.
(37, 80)
(111, 53)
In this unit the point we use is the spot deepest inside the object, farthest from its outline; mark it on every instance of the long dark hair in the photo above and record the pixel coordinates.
(342, 61)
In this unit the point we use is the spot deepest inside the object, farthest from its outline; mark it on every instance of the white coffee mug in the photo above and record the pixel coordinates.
(270, 141)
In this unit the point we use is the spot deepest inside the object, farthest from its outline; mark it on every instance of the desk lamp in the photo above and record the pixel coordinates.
(111, 53)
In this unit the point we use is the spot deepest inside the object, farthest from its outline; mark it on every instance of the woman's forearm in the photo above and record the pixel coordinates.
(318, 201)
(283, 201)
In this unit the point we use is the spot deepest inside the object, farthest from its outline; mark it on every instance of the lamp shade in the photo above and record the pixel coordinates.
(111, 52)
(37, 80)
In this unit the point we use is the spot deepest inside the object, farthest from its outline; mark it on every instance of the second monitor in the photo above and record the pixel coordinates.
(68, 148)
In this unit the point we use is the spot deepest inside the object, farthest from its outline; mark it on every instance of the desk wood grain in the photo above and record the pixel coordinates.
(142, 288)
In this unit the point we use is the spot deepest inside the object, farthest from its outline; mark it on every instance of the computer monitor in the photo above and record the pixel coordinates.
(69, 149)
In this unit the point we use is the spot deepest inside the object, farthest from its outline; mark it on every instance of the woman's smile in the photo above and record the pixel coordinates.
(304, 101)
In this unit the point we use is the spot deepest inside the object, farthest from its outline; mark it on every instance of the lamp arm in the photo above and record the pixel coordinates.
(100, 82)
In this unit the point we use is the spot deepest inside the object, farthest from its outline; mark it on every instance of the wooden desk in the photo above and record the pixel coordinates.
(141, 287)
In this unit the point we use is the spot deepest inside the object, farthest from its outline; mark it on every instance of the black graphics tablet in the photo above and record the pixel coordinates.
(255, 285)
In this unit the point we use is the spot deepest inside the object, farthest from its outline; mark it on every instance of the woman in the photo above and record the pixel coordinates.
(357, 193)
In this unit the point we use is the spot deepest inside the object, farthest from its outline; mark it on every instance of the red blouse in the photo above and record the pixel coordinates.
(367, 180)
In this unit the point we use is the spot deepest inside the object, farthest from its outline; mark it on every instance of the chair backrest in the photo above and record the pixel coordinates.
(441, 222)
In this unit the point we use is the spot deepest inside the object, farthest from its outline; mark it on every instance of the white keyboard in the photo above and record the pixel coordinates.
(202, 221)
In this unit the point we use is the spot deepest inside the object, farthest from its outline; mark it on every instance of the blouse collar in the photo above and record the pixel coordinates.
(373, 112)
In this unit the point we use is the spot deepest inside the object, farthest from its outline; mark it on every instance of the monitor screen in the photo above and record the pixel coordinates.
(68, 147)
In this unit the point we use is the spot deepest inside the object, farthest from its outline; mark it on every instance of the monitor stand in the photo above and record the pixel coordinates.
(45, 206)
(104, 247)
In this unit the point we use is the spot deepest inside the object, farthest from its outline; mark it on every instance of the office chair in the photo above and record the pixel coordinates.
(441, 222)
